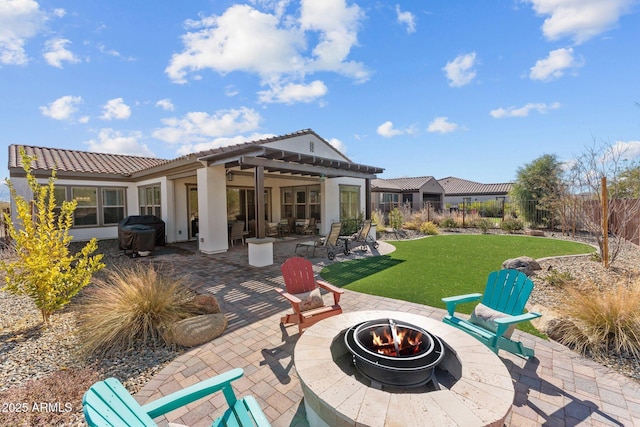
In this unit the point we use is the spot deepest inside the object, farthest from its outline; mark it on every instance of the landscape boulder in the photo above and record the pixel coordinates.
(197, 330)
(206, 304)
(524, 263)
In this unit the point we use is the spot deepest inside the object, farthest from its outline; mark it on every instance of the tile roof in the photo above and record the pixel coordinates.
(401, 184)
(73, 161)
(458, 186)
(81, 161)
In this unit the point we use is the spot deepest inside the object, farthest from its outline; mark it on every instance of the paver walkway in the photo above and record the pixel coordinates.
(556, 388)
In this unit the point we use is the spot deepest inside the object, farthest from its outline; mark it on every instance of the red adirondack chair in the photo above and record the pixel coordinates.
(303, 292)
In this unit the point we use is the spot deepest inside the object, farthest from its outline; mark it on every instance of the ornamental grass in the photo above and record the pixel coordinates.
(136, 304)
(597, 321)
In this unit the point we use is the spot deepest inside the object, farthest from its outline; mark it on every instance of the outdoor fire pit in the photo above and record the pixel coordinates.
(394, 353)
(474, 388)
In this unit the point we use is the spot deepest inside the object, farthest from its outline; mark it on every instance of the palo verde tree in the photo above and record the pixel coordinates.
(42, 266)
(538, 190)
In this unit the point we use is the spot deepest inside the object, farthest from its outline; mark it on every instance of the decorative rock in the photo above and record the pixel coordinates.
(197, 330)
(206, 304)
(524, 263)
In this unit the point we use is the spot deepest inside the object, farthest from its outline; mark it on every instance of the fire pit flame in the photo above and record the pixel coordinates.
(396, 341)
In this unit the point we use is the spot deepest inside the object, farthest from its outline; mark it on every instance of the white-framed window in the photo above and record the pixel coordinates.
(149, 200)
(113, 205)
(86, 212)
(349, 201)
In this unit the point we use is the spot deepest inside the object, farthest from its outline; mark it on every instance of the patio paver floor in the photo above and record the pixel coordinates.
(557, 387)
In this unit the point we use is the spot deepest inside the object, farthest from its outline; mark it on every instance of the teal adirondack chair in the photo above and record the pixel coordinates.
(505, 295)
(108, 403)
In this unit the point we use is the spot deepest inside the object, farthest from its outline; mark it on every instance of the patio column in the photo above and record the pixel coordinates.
(212, 210)
(260, 247)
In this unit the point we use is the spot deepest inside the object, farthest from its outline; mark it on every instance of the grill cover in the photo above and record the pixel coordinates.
(141, 233)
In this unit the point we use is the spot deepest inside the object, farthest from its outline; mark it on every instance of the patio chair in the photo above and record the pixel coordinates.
(283, 227)
(108, 403)
(363, 239)
(237, 232)
(500, 309)
(271, 229)
(303, 292)
(331, 243)
(310, 227)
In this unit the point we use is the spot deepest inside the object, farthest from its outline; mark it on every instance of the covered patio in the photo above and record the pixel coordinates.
(557, 387)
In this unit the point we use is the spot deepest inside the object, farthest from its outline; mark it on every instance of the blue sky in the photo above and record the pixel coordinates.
(471, 89)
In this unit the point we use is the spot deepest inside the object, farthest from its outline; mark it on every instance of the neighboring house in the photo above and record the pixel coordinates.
(459, 190)
(297, 175)
(417, 192)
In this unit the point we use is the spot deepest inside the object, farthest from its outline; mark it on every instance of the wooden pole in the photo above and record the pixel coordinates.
(605, 224)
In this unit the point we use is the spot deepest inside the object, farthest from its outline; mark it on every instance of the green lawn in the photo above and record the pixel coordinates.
(425, 270)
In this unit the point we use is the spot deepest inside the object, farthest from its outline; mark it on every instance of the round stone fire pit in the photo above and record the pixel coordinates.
(394, 353)
(478, 391)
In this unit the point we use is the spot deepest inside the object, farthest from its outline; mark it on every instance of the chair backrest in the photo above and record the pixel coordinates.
(507, 291)
(298, 275)
(237, 228)
(364, 231)
(334, 234)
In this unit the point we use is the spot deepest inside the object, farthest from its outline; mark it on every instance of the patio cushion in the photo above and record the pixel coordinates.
(484, 317)
(310, 300)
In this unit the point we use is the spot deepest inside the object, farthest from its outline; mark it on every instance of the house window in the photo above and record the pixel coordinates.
(301, 202)
(149, 200)
(112, 205)
(86, 212)
(389, 201)
(349, 201)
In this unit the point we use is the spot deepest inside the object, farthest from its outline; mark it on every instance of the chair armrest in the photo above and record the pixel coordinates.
(196, 391)
(517, 319)
(451, 302)
(292, 298)
(331, 288)
(504, 322)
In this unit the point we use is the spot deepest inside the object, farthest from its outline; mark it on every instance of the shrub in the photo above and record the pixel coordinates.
(511, 225)
(43, 268)
(559, 279)
(377, 217)
(601, 320)
(136, 304)
(395, 219)
(448, 223)
(428, 228)
(62, 388)
(483, 224)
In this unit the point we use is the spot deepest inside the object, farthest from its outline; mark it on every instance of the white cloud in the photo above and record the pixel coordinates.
(56, 52)
(292, 93)
(198, 128)
(460, 71)
(338, 145)
(59, 13)
(273, 45)
(442, 125)
(115, 109)
(579, 19)
(20, 20)
(115, 142)
(554, 65)
(165, 104)
(627, 150)
(221, 142)
(541, 108)
(406, 18)
(386, 129)
(62, 108)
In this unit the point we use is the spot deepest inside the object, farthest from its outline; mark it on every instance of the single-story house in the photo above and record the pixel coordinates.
(416, 192)
(297, 175)
(458, 191)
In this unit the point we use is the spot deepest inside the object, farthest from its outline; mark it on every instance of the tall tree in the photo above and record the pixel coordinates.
(538, 189)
